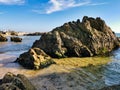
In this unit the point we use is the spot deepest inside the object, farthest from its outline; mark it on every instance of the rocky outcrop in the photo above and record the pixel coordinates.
(15, 82)
(16, 39)
(3, 38)
(35, 58)
(79, 39)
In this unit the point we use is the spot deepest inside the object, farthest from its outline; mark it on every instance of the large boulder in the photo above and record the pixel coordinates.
(3, 38)
(16, 39)
(79, 39)
(35, 58)
(15, 82)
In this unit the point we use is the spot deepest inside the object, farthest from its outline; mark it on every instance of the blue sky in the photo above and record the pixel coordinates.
(44, 15)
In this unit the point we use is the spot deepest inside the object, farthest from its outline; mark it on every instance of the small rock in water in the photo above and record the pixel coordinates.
(16, 39)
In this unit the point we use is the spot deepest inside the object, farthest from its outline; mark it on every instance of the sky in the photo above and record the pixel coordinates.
(45, 15)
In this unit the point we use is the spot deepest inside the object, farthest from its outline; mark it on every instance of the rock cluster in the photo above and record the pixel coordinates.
(3, 38)
(35, 58)
(34, 34)
(15, 82)
(79, 39)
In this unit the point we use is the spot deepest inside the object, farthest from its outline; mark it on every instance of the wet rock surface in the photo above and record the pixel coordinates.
(15, 82)
(79, 39)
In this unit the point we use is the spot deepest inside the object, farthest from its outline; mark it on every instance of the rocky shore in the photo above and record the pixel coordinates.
(86, 38)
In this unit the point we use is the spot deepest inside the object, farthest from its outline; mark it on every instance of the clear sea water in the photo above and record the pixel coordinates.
(12, 48)
(112, 70)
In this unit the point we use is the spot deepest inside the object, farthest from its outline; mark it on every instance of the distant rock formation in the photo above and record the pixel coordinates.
(79, 39)
(15, 82)
(34, 34)
(16, 39)
(35, 58)
(3, 38)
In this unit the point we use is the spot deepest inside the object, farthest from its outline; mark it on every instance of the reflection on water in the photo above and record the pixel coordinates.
(112, 70)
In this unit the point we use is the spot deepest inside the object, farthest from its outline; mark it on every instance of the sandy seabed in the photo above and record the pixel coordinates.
(66, 74)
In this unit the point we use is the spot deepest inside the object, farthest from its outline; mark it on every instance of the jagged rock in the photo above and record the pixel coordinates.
(3, 38)
(16, 39)
(35, 58)
(15, 82)
(82, 39)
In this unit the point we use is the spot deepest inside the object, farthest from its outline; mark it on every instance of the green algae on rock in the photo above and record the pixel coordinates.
(35, 58)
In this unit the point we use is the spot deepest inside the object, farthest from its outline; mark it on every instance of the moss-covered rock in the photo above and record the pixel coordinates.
(35, 58)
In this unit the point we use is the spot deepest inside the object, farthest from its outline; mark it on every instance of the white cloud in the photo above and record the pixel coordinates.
(59, 5)
(11, 2)
(97, 4)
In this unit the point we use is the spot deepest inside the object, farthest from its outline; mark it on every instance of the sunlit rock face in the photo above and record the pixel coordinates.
(85, 38)
(35, 58)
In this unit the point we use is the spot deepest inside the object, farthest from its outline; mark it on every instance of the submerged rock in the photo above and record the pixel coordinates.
(114, 87)
(16, 39)
(79, 39)
(3, 38)
(15, 82)
(35, 58)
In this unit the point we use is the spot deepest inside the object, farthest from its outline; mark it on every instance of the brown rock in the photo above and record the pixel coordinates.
(3, 38)
(87, 38)
(16, 39)
(35, 58)
(16, 82)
